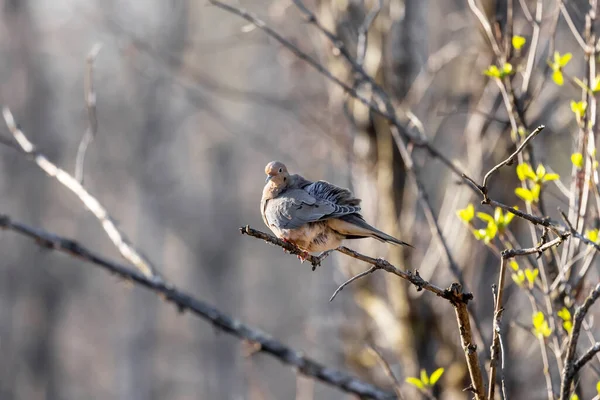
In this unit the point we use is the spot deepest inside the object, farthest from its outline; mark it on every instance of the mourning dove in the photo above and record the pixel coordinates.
(315, 216)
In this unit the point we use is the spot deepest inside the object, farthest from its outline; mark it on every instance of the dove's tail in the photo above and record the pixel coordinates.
(354, 227)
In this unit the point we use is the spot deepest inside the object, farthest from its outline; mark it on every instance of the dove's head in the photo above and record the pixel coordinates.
(277, 173)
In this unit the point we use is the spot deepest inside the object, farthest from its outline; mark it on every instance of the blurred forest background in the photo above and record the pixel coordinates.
(192, 102)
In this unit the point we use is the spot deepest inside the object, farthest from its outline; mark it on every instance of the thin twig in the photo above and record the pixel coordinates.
(185, 302)
(512, 157)
(495, 348)
(363, 30)
(388, 370)
(126, 249)
(586, 357)
(486, 26)
(573, 28)
(349, 281)
(535, 39)
(90, 103)
(569, 370)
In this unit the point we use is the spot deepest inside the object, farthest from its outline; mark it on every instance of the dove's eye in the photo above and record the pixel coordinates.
(280, 170)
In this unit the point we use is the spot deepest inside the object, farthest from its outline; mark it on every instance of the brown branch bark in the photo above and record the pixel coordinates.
(453, 294)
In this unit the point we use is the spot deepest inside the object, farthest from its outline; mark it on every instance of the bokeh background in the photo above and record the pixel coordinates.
(192, 102)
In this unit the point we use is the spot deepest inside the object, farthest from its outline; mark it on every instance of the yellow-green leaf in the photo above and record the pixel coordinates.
(550, 177)
(557, 77)
(524, 194)
(598, 387)
(492, 71)
(466, 214)
(537, 319)
(498, 217)
(415, 382)
(564, 59)
(592, 235)
(568, 326)
(514, 265)
(540, 325)
(574, 396)
(435, 376)
(540, 171)
(424, 378)
(495, 72)
(577, 160)
(578, 108)
(490, 232)
(479, 233)
(485, 217)
(524, 171)
(519, 277)
(535, 192)
(564, 314)
(596, 84)
(531, 275)
(509, 216)
(518, 42)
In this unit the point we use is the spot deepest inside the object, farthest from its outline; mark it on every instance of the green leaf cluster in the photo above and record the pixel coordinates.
(494, 72)
(426, 381)
(540, 325)
(565, 315)
(579, 108)
(494, 224)
(557, 64)
(521, 276)
(538, 177)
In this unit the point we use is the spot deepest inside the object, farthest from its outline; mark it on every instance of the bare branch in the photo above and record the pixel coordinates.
(185, 302)
(349, 281)
(485, 24)
(91, 203)
(569, 370)
(495, 348)
(586, 357)
(388, 370)
(512, 157)
(90, 103)
(378, 263)
(453, 294)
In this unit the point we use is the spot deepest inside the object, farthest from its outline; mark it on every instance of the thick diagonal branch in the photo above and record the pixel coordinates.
(186, 302)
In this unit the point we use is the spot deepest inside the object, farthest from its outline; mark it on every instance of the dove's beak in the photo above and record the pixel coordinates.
(269, 177)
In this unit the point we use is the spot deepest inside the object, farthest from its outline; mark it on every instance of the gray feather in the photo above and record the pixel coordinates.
(306, 202)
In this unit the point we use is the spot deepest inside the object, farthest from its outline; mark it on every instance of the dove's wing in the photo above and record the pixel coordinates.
(326, 191)
(296, 207)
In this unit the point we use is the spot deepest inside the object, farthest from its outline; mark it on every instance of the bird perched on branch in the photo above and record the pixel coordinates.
(314, 216)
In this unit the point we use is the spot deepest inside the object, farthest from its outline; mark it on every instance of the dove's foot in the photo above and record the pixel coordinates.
(303, 255)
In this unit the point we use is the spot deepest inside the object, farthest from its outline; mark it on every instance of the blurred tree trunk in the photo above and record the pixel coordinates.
(378, 176)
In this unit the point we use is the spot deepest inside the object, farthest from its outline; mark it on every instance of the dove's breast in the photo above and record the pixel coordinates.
(312, 237)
